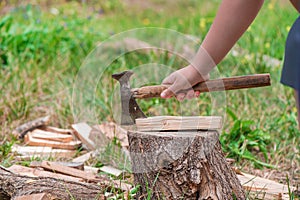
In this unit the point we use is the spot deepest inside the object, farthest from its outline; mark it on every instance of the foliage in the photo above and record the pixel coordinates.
(243, 139)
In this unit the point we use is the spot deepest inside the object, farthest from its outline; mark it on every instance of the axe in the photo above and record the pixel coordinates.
(131, 111)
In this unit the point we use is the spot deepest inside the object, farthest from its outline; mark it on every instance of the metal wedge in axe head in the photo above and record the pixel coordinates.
(131, 111)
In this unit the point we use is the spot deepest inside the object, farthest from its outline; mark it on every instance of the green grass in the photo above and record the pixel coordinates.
(42, 50)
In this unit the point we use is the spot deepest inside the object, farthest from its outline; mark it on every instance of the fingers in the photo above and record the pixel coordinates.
(166, 94)
(180, 96)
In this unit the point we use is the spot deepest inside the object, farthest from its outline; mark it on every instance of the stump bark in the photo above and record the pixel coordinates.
(182, 165)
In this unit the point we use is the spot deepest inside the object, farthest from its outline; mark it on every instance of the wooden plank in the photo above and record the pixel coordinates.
(168, 123)
(43, 152)
(111, 170)
(46, 135)
(32, 172)
(41, 196)
(263, 188)
(57, 130)
(82, 131)
(68, 170)
(54, 144)
(74, 165)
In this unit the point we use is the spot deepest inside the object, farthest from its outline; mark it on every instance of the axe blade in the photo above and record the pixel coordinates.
(130, 109)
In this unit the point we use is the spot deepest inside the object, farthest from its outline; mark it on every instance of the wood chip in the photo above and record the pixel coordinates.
(85, 157)
(168, 123)
(90, 169)
(111, 170)
(263, 188)
(82, 131)
(119, 184)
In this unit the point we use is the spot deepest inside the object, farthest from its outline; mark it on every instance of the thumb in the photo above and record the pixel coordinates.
(167, 93)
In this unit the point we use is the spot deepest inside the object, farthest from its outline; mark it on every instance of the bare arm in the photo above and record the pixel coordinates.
(296, 4)
(232, 20)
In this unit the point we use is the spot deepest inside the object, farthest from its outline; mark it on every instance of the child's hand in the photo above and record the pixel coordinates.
(183, 79)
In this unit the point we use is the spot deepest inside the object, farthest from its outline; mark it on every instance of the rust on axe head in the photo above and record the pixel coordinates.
(130, 108)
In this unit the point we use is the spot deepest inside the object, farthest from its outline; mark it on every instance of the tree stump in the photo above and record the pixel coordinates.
(182, 165)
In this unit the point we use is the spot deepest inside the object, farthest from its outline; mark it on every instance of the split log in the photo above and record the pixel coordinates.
(182, 165)
(17, 185)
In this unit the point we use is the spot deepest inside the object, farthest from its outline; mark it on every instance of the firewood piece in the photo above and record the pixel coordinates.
(27, 171)
(42, 152)
(112, 130)
(119, 184)
(159, 123)
(93, 170)
(57, 130)
(21, 131)
(46, 135)
(18, 185)
(182, 165)
(40, 196)
(263, 188)
(74, 165)
(82, 131)
(68, 171)
(46, 143)
(85, 157)
(111, 170)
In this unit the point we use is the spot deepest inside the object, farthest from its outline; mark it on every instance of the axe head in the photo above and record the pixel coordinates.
(130, 109)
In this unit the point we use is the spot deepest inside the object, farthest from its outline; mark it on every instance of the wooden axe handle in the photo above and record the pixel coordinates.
(232, 83)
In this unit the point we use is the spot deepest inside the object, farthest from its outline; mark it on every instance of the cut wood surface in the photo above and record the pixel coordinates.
(263, 188)
(68, 171)
(46, 135)
(158, 123)
(42, 152)
(54, 144)
(19, 185)
(82, 131)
